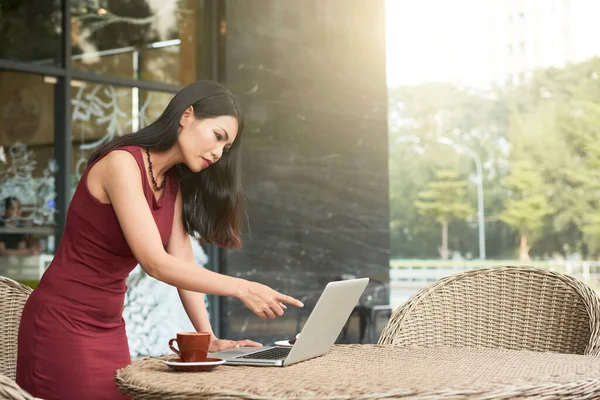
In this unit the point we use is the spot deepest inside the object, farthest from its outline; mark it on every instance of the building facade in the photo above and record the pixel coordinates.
(530, 34)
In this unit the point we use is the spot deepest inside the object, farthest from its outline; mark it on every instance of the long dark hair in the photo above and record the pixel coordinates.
(213, 201)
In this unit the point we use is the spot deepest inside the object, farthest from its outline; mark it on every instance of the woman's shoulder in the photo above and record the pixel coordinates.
(119, 154)
(119, 163)
(134, 151)
(121, 160)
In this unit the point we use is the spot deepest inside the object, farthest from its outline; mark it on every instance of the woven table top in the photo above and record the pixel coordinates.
(376, 371)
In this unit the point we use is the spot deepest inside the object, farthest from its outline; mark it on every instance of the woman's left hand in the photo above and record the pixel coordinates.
(224, 344)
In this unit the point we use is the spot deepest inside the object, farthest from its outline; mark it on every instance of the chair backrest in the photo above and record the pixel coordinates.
(520, 308)
(13, 296)
(10, 390)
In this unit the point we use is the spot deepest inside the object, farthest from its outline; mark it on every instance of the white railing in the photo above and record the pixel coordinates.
(409, 276)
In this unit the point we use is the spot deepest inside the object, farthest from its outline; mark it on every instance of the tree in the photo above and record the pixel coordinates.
(553, 120)
(527, 205)
(425, 112)
(546, 127)
(443, 201)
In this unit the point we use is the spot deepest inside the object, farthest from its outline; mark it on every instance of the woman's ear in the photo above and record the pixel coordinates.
(187, 116)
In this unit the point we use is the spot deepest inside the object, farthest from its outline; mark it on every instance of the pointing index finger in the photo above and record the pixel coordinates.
(290, 300)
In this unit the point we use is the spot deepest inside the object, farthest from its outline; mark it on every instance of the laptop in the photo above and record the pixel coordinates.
(318, 334)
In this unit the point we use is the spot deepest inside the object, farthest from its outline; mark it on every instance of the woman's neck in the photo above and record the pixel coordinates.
(164, 161)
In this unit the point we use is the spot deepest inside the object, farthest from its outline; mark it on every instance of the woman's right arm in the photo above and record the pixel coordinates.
(122, 182)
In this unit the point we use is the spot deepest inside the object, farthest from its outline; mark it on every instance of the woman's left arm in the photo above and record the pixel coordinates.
(179, 246)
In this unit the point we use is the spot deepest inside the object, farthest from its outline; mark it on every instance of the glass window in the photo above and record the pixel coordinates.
(30, 30)
(27, 167)
(102, 112)
(137, 39)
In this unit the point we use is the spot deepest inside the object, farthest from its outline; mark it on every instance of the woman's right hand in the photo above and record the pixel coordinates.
(264, 301)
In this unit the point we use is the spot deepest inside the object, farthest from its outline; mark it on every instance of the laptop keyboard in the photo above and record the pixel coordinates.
(274, 353)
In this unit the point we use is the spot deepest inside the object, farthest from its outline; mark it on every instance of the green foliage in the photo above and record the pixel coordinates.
(540, 146)
(467, 118)
(527, 205)
(561, 139)
(445, 199)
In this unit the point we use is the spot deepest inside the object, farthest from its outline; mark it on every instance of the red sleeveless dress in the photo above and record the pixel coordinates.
(72, 334)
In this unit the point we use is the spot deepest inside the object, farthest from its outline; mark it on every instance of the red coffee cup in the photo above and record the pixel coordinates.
(192, 346)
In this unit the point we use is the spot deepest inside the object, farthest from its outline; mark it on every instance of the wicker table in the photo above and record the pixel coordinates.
(374, 372)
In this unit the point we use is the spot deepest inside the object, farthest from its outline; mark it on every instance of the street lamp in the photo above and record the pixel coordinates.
(480, 213)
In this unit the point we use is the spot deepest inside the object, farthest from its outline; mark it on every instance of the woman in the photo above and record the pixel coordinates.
(140, 197)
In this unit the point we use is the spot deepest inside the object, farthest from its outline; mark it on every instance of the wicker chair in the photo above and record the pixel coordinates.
(11, 391)
(520, 308)
(12, 299)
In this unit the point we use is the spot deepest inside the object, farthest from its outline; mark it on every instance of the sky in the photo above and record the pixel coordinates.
(437, 40)
(450, 40)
